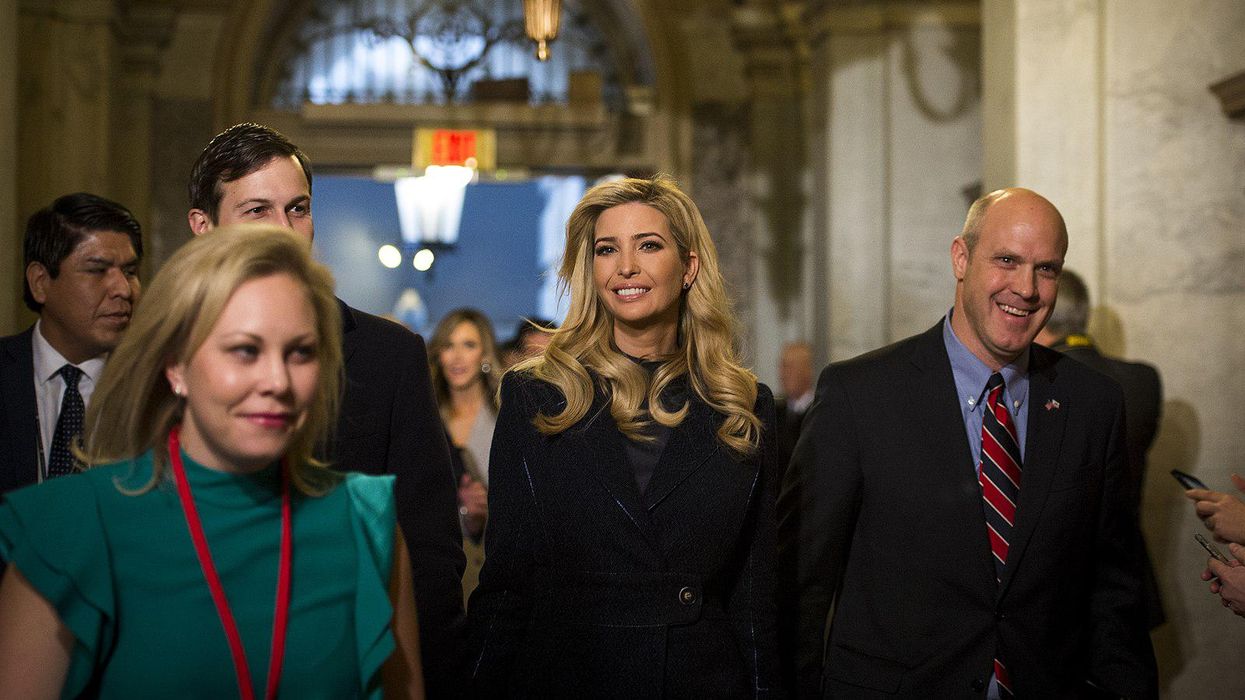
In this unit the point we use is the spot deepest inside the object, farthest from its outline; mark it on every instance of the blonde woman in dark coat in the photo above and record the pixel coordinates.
(631, 539)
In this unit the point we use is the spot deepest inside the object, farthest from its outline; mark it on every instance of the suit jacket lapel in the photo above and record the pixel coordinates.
(349, 342)
(946, 445)
(1042, 444)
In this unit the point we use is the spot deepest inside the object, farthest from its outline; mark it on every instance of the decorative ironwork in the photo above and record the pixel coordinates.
(449, 37)
(435, 51)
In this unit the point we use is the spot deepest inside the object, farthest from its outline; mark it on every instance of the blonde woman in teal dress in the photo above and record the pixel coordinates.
(205, 552)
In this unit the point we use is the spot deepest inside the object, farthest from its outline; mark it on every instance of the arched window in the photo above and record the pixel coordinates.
(442, 52)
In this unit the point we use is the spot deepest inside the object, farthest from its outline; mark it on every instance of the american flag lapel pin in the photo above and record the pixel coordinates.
(1051, 405)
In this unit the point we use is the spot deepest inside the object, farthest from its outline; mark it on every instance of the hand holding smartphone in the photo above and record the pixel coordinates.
(1188, 480)
(1212, 549)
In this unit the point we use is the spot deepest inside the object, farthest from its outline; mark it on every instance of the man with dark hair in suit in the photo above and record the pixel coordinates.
(1067, 332)
(81, 255)
(958, 499)
(389, 422)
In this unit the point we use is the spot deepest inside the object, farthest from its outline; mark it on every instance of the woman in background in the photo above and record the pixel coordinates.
(202, 552)
(462, 358)
(631, 547)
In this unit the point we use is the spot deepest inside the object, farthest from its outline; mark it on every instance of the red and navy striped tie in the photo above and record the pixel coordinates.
(1000, 487)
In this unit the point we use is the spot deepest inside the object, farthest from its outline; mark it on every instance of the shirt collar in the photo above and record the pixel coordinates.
(48, 361)
(971, 374)
(800, 403)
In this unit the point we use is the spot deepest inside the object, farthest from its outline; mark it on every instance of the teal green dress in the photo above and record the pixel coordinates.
(122, 574)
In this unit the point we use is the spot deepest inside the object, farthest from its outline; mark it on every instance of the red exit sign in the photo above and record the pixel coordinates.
(475, 147)
(453, 146)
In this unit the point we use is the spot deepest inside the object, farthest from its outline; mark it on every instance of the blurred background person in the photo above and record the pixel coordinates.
(1067, 330)
(464, 379)
(631, 542)
(529, 340)
(202, 486)
(795, 373)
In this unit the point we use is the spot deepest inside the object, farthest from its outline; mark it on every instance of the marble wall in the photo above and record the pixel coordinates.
(10, 231)
(1173, 289)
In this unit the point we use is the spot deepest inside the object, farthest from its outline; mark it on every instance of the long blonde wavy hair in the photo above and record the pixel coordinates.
(585, 342)
(134, 408)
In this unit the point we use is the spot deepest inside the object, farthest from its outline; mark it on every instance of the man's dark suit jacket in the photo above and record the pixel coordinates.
(19, 445)
(592, 589)
(788, 425)
(389, 425)
(1143, 405)
(889, 528)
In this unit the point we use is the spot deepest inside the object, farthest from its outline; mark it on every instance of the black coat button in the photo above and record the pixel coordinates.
(998, 615)
(978, 685)
(687, 595)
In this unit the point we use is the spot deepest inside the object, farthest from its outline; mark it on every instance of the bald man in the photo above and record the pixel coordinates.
(957, 499)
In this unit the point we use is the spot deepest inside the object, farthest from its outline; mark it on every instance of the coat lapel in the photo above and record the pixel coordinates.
(690, 446)
(1042, 445)
(608, 449)
(946, 445)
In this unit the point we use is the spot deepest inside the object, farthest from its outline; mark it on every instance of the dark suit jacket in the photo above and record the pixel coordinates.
(389, 425)
(788, 428)
(591, 589)
(19, 456)
(1143, 405)
(891, 531)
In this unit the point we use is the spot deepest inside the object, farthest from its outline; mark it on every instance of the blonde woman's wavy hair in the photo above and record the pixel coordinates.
(488, 346)
(134, 408)
(706, 352)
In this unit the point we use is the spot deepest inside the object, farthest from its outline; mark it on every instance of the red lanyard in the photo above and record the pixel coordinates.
(280, 615)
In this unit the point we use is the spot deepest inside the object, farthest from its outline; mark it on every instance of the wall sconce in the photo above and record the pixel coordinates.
(540, 19)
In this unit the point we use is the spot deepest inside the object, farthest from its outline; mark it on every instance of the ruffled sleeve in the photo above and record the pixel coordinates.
(53, 534)
(373, 522)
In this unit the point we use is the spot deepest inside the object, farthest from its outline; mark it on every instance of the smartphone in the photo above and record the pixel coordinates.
(1188, 480)
(1209, 547)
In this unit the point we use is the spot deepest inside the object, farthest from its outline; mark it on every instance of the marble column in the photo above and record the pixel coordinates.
(67, 53)
(894, 134)
(856, 247)
(1043, 65)
(771, 42)
(143, 35)
(10, 227)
